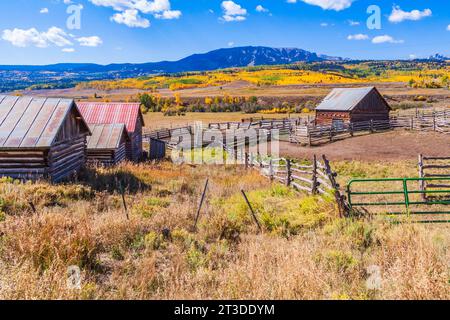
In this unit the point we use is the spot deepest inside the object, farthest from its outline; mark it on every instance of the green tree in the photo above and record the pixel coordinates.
(148, 102)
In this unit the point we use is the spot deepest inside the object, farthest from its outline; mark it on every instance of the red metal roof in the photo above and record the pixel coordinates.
(111, 113)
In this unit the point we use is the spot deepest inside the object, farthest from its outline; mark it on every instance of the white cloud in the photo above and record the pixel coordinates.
(32, 37)
(233, 11)
(353, 23)
(412, 56)
(44, 10)
(448, 27)
(336, 5)
(324, 24)
(398, 15)
(358, 37)
(131, 18)
(68, 50)
(169, 14)
(260, 8)
(385, 39)
(231, 43)
(67, 1)
(93, 41)
(129, 11)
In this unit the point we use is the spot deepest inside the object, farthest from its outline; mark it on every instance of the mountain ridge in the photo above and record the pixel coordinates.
(212, 60)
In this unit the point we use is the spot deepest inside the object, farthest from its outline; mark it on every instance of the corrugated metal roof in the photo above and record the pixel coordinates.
(344, 99)
(109, 113)
(27, 122)
(106, 136)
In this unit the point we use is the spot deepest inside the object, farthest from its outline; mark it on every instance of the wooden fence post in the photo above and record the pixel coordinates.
(308, 132)
(271, 171)
(288, 173)
(125, 207)
(421, 175)
(201, 204)
(314, 176)
(246, 160)
(251, 210)
(371, 126)
(340, 199)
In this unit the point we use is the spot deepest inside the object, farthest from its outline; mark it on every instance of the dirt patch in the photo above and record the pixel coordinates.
(393, 145)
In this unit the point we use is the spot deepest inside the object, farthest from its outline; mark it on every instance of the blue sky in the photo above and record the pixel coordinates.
(36, 31)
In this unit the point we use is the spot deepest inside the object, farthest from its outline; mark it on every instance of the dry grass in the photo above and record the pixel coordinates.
(305, 252)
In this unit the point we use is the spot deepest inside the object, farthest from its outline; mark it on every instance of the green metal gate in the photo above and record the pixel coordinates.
(438, 199)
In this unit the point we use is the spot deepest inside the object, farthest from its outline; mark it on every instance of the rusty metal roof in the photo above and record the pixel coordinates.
(344, 99)
(109, 113)
(29, 122)
(106, 136)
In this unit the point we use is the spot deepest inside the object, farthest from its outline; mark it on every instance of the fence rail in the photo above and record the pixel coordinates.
(433, 167)
(312, 178)
(311, 135)
(407, 196)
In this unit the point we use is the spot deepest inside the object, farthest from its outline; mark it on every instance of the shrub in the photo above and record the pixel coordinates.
(153, 241)
(339, 261)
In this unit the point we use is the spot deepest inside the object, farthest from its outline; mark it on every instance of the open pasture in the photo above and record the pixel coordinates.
(303, 252)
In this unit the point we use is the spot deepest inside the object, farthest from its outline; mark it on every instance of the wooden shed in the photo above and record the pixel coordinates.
(346, 105)
(107, 145)
(116, 113)
(41, 138)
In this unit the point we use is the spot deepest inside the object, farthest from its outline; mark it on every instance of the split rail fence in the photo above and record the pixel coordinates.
(313, 135)
(314, 178)
(436, 168)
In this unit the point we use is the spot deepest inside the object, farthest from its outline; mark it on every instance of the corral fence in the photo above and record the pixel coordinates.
(315, 135)
(311, 135)
(315, 178)
(437, 168)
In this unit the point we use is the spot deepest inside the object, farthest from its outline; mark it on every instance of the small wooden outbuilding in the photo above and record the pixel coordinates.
(346, 105)
(107, 145)
(118, 113)
(41, 138)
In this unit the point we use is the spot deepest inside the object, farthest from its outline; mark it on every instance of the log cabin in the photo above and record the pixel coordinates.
(107, 145)
(115, 113)
(347, 105)
(41, 138)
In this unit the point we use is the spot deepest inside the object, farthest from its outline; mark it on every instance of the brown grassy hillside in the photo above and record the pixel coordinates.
(304, 251)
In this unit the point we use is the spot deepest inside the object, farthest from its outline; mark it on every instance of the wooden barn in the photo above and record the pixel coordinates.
(41, 138)
(116, 113)
(346, 105)
(107, 145)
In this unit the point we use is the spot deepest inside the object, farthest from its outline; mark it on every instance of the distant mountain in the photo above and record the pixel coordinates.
(217, 59)
(438, 57)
